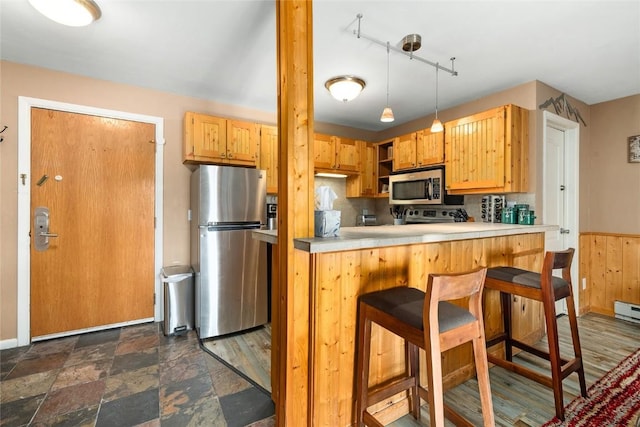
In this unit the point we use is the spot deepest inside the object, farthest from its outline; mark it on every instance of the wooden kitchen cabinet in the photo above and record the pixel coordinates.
(364, 184)
(335, 154)
(242, 142)
(384, 151)
(488, 152)
(216, 140)
(404, 152)
(418, 149)
(429, 148)
(269, 156)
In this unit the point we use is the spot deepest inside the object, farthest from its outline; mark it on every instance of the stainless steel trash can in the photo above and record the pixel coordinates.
(178, 283)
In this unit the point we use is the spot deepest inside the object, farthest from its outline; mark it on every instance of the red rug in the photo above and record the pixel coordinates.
(614, 400)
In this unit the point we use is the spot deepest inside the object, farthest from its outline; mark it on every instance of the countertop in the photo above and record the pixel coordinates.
(394, 235)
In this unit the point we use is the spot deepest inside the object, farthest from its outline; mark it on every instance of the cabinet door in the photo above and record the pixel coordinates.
(205, 137)
(368, 168)
(242, 142)
(429, 148)
(404, 152)
(475, 151)
(324, 151)
(269, 156)
(365, 183)
(347, 155)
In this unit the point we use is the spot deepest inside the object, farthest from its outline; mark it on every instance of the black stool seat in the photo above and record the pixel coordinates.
(548, 289)
(561, 287)
(407, 304)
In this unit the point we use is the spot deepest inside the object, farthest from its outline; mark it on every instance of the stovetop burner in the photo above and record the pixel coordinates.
(433, 215)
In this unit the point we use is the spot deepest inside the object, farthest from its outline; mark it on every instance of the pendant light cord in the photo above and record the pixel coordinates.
(387, 74)
(437, 90)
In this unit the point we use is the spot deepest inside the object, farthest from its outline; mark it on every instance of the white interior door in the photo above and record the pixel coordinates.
(560, 190)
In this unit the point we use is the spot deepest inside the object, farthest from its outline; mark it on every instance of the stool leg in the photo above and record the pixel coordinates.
(482, 373)
(505, 301)
(414, 371)
(548, 302)
(434, 374)
(577, 349)
(363, 355)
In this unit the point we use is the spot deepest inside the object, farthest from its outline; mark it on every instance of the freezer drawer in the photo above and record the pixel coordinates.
(231, 284)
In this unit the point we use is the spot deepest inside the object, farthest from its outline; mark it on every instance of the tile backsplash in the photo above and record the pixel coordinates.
(349, 208)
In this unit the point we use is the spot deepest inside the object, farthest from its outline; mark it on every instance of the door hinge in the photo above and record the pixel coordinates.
(154, 299)
(564, 231)
(155, 222)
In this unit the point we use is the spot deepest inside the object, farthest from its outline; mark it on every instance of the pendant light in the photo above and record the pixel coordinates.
(387, 113)
(436, 126)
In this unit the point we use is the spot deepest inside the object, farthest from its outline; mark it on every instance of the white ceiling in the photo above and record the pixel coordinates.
(225, 50)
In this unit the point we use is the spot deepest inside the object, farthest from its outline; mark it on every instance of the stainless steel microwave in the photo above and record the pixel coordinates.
(422, 187)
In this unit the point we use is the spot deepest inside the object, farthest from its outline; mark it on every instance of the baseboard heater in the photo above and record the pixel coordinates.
(627, 311)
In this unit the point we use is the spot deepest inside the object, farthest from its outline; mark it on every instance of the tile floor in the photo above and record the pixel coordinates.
(130, 376)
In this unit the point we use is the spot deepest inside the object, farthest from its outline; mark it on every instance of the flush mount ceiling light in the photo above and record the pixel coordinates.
(74, 13)
(387, 113)
(345, 88)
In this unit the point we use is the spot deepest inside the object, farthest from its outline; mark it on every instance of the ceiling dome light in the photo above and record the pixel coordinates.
(74, 13)
(345, 88)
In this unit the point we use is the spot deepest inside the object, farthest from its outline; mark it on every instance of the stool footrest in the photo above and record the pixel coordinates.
(387, 389)
(370, 420)
(521, 370)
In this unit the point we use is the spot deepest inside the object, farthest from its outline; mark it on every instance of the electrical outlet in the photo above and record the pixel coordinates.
(584, 283)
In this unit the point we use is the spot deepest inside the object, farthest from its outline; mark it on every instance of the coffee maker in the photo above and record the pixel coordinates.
(272, 216)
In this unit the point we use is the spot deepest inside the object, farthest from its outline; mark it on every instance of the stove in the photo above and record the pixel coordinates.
(435, 215)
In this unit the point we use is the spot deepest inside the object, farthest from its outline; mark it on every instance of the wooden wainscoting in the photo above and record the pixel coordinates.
(610, 263)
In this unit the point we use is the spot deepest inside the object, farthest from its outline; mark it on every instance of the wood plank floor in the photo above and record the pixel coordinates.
(517, 401)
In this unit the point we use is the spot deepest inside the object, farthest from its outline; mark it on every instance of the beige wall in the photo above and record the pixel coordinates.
(610, 196)
(20, 80)
(612, 182)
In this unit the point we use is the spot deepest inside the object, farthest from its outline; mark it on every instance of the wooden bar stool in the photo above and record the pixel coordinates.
(548, 289)
(425, 320)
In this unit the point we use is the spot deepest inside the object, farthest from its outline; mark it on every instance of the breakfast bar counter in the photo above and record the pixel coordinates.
(366, 259)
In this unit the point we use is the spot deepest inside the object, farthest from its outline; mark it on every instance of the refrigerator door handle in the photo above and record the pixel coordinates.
(231, 226)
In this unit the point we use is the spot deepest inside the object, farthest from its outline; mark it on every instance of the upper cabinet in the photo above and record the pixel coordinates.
(418, 149)
(210, 139)
(335, 154)
(488, 152)
(269, 156)
(364, 184)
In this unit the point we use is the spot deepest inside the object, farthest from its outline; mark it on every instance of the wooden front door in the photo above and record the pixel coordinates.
(96, 177)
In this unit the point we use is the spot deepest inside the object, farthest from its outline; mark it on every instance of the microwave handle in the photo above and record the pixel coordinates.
(428, 188)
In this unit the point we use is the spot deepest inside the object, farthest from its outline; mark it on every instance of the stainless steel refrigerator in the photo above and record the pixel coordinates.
(227, 204)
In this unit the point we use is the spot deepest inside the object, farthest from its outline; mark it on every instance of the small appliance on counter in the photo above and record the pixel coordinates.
(492, 207)
(272, 216)
(366, 219)
(435, 215)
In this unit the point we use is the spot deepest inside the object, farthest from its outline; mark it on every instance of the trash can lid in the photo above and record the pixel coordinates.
(176, 269)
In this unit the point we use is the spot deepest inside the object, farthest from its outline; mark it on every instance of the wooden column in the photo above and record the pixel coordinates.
(290, 315)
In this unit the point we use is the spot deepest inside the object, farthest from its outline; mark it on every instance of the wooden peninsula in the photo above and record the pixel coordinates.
(365, 259)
